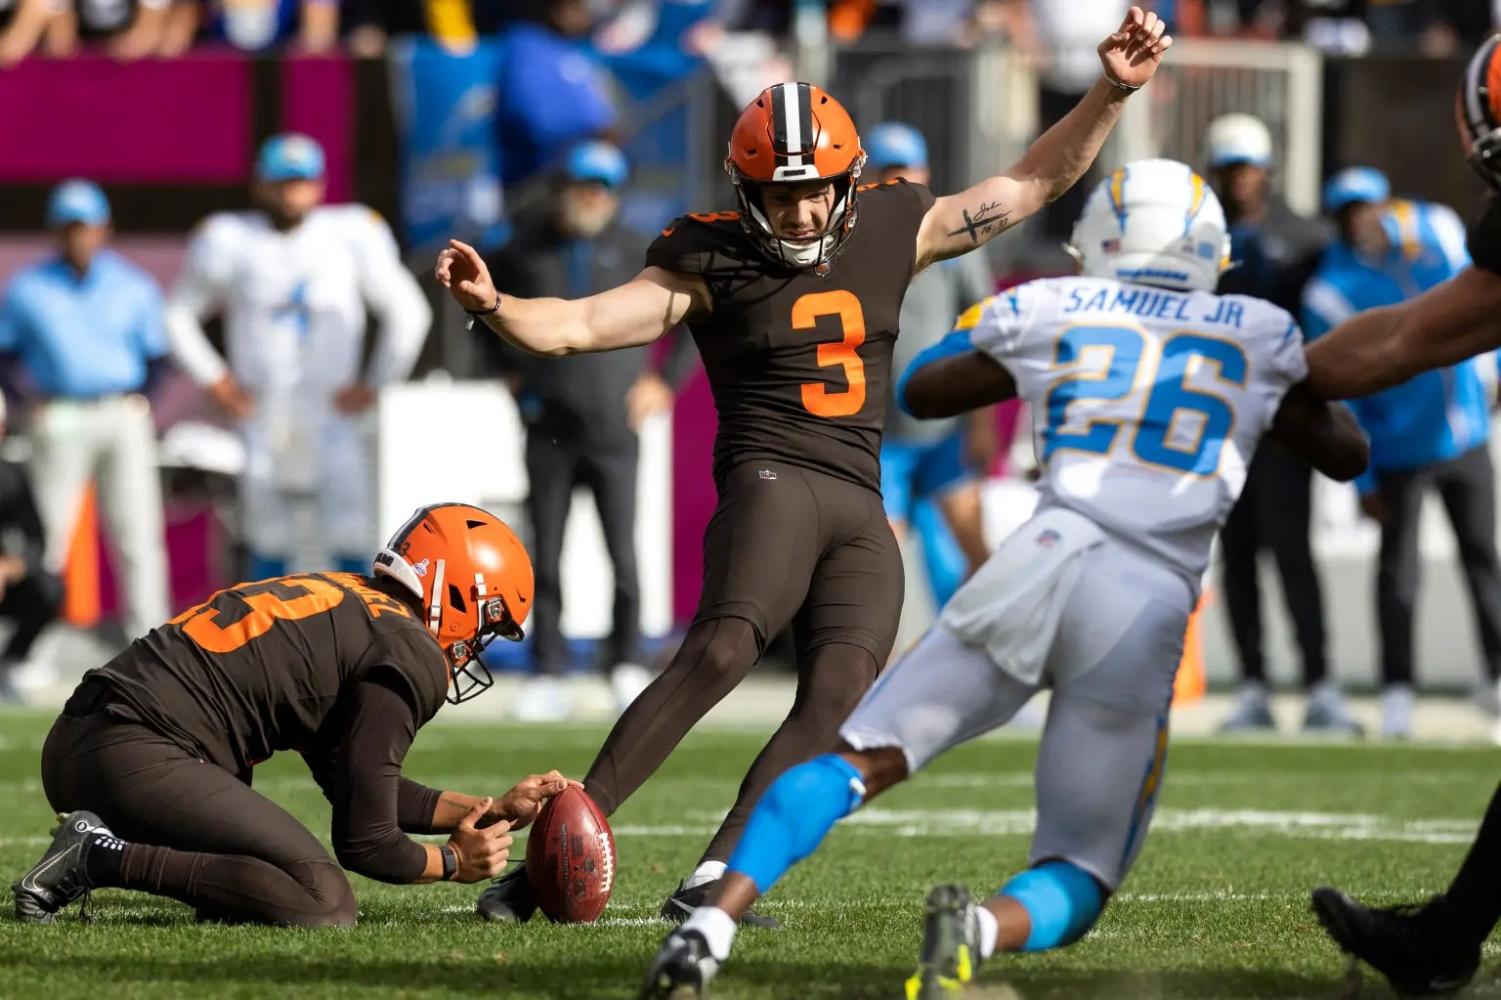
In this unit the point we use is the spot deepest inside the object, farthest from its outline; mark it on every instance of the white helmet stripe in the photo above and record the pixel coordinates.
(793, 116)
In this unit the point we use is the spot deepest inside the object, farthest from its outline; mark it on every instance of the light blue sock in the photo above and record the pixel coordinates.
(793, 817)
(1062, 900)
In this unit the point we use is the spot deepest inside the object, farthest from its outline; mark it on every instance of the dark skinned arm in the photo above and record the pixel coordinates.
(1384, 347)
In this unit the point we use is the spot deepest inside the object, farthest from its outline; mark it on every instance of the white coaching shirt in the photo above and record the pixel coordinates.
(294, 302)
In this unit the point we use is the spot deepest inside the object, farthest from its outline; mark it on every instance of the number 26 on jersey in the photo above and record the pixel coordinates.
(1107, 362)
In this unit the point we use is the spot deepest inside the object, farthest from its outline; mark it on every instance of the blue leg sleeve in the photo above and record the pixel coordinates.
(1063, 902)
(263, 567)
(794, 815)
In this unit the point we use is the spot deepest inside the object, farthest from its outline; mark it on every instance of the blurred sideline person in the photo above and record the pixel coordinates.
(153, 755)
(293, 279)
(87, 325)
(1431, 431)
(793, 301)
(937, 462)
(1090, 598)
(30, 596)
(1274, 251)
(582, 414)
(1434, 947)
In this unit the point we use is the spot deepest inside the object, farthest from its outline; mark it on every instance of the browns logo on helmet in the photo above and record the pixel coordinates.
(794, 133)
(474, 579)
(1479, 111)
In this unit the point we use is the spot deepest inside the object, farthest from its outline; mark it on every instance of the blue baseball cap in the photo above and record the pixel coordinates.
(596, 161)
(77, 201)
(1355, 184)
(894, 144)
(290, 156)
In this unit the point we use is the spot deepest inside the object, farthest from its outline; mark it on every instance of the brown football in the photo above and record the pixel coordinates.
(570, 859)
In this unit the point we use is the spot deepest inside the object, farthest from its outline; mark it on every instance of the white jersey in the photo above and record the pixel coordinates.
(1147, 402)
(294, 302)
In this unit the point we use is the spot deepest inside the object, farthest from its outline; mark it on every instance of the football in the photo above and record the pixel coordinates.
(570, 859)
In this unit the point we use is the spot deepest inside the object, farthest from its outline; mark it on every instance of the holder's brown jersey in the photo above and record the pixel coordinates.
(800, 363)
(259, 667)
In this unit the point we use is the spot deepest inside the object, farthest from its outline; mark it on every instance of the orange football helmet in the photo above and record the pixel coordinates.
(794, 132)
(1479, 108)
(474, 579)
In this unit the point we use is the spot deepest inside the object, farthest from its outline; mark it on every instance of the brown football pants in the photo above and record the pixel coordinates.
(785, 545)
(196, 833)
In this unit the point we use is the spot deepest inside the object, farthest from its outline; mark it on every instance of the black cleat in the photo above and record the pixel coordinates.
(682, 969)
(57, 879)
(508, 900)
(681, 904)
(1411, 946)
(950, 945)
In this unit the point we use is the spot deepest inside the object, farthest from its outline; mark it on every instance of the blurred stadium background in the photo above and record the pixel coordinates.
(422, 109)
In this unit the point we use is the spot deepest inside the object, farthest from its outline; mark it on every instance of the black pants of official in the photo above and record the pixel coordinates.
(555, 468)
(1466, 487)
(32, 604)
(1273, 513)
(1059, 215)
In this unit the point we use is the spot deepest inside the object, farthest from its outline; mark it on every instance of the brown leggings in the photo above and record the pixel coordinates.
(195, 832)
(714, 658)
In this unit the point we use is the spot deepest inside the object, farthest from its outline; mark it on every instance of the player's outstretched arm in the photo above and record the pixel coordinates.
(1384, 347)
(946, 382)
(958, 223)
(1323, 434)
(629, 315)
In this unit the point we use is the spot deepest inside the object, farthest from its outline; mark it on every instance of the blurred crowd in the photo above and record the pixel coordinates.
(692, 29)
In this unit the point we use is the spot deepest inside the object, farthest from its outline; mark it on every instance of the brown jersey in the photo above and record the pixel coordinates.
(259, 667)
(800, 363)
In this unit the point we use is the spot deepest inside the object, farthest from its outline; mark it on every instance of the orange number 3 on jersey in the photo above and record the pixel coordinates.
(231, 618)
(817, 397)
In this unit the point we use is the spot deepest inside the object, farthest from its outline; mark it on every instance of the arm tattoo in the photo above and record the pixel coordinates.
(991, 218)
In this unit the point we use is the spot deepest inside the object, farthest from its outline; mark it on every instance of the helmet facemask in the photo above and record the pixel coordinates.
(816, 252)
(468, 675)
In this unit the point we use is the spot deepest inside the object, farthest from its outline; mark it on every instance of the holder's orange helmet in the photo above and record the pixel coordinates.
(1479, 107)
(474, 580)
(791, 133)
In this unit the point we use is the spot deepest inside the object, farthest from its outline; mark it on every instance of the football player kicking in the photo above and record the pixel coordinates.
(1151, 394)
(1434, 947)
(793, 302)
(152, 756)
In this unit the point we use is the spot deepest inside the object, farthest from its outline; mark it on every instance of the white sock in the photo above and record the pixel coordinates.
(706, 872)
(989, 928)
(718, 929)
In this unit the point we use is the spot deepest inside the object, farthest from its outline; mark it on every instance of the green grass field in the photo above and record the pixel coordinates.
(1217, 906)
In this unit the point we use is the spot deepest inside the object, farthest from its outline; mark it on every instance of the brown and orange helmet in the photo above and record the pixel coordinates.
(793, 133)
(474, 579)
(1479, 108)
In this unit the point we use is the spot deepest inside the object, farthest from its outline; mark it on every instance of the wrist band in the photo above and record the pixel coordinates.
(487, 312)
(1108, 79)
(450, 862)
(473, 315)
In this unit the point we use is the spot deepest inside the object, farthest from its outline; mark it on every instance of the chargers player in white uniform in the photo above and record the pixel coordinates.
(293, 279)
(1150, 395)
